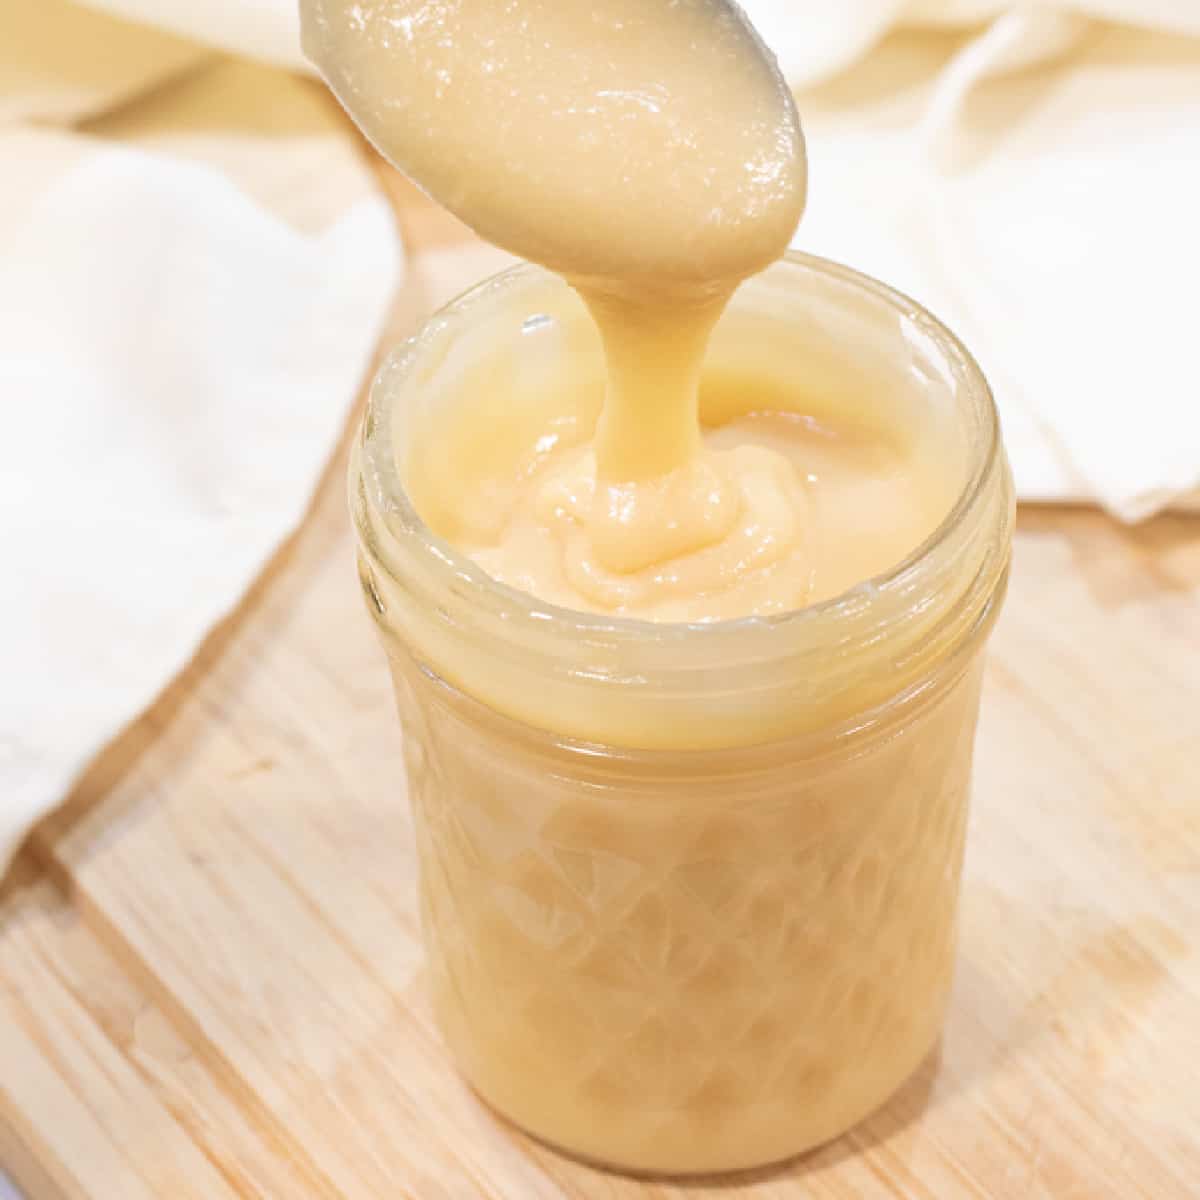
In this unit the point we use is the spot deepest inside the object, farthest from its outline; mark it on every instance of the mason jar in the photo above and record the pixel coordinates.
(688, 891)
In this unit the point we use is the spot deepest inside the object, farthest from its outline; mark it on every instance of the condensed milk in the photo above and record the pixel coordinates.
(684, 596)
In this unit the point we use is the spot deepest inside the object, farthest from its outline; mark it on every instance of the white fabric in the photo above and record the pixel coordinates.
(1034, 179)
(262, 29)
(194, 269)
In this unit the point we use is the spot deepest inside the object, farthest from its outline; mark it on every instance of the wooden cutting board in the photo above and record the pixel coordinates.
(210, 974)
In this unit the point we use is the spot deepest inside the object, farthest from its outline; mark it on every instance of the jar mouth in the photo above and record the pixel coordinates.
(578, 758)
(381, 476)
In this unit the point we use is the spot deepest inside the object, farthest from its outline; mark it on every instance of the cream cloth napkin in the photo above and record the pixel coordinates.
(194, 271)
(1031, 172)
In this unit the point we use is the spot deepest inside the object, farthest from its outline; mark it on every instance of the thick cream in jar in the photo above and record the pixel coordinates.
(689, 890)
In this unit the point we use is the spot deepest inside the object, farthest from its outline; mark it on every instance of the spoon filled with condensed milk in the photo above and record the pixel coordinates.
(649, 151)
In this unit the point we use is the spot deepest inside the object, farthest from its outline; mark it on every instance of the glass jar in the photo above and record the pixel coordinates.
(688, 891)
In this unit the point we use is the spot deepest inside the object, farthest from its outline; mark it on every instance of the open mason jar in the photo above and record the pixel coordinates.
(688, 891)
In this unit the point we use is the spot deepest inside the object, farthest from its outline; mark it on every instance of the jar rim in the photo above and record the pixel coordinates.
(378, 468)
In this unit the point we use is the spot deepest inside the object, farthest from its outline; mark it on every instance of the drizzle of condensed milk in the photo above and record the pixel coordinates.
(649, 151)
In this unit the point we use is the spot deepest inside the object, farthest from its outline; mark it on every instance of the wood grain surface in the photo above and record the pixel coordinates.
(210, 975)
